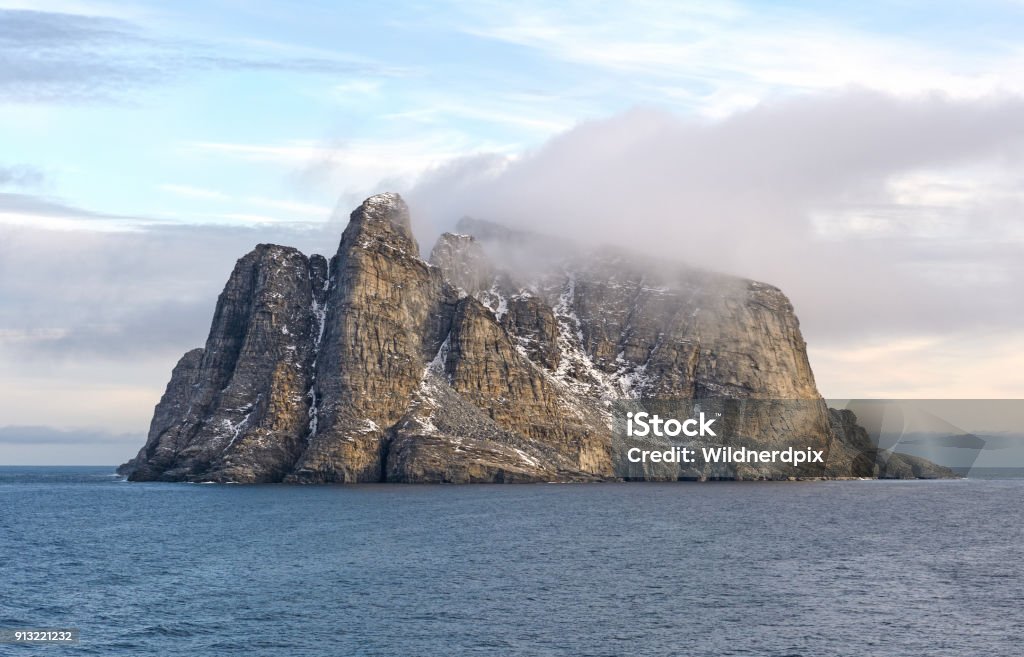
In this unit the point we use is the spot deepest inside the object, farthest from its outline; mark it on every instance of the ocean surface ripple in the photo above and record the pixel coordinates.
(813, 569)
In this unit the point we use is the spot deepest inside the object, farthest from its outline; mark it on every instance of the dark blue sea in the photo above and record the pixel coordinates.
(816, 569)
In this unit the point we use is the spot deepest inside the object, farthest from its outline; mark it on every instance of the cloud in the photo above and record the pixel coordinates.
(42, 435)
(521, 112)
(189, 191)
(880, 216)
(62, 57)
(34, 211)
(46, 445)
(20, 176)
(353, 168)
(284, 210)
(143, 328)
(730, 57)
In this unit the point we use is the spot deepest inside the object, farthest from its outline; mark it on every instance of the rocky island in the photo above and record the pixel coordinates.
(501, 358)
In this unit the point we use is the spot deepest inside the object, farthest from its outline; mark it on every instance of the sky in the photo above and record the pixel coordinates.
(866, 158)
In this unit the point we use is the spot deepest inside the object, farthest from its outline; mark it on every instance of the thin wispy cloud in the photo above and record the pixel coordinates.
(55, 57)
(42, 435)
(354, 168)
(20, 176)
(190, 191)
(40, 212)
(719, 61)
(283, 210)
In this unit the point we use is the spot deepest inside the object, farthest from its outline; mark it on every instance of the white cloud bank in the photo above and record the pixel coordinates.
(883, 217)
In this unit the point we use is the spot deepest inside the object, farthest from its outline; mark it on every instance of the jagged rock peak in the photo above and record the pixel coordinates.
(492, 231)
(454, 240)
(463, 262)
(517, 248)
(381, 220)
(387, 207)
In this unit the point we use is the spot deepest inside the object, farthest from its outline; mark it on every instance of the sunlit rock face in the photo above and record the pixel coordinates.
(498, 360)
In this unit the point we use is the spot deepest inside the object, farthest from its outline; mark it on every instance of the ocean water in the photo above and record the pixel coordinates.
(814, 569)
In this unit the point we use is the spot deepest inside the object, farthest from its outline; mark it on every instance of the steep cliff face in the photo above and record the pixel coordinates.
(387, 313)
(238, 409)
(499, 360)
